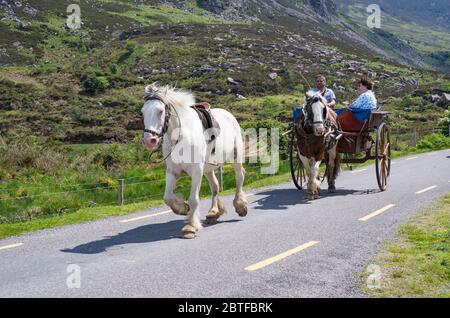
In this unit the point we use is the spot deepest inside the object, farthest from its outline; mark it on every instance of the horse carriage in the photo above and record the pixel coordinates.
(355, 137)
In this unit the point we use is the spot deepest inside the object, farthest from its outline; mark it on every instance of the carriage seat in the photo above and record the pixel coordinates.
(353, 123)
(208, 121)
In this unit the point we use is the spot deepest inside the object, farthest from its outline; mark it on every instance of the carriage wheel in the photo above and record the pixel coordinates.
(383, 156)
(297, 171)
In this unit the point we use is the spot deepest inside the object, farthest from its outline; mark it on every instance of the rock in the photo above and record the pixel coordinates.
(446, 99)
(202, 70)
(410, 81)
(233, 81)
(240, 97)
(434, 98)
(273, 76)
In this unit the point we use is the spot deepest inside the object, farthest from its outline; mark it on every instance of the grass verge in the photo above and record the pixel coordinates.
(417, 262)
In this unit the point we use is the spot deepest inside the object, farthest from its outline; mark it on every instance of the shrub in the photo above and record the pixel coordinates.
(113, 68)
(94, 84)
(434, 142)
(110, 157)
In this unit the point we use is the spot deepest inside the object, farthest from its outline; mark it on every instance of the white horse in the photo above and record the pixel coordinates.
(187, 147)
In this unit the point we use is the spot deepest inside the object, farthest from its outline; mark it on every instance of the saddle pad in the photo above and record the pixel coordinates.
(208, 121)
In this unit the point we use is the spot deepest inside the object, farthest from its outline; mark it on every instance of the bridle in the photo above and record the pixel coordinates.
(168, 114)
(326, 121)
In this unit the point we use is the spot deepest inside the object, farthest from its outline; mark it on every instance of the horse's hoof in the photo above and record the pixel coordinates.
(189, 236)
(189, 231)
(242, 211)
(332, 189)
(183, 211)
(211, 220)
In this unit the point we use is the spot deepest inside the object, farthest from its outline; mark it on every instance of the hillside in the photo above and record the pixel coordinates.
(434, 15)
(412, 41)
(70, 100)
(86, 85)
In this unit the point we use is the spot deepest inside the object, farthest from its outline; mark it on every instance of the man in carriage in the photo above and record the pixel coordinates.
(322, 89)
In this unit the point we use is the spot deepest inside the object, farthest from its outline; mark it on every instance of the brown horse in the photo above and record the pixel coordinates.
(317, 136)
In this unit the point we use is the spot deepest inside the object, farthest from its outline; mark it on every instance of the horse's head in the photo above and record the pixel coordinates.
(316, 113)
(156, 115)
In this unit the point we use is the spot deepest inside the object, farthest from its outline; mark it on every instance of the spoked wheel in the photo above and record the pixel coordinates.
(383, 156)
(297, 171)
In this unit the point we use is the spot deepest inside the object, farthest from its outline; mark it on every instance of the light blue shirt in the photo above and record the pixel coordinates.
(365, 101)
(329, 94)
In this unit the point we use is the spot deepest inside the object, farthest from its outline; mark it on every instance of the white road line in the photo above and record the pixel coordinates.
(374, 214)
(279, 257)
(146, 217)
(411, 158)
(6, 247)
(427, 189)
(358, 171)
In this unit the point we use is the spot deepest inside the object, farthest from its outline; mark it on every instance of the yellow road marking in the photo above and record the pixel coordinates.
(146, 217)
(10, 246)
(374, 214)
(358, 171)
(427, 189)
(279, 257)
(412, 158)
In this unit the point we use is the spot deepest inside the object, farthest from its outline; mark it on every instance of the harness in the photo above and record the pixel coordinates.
(168, 112)
(330, 138)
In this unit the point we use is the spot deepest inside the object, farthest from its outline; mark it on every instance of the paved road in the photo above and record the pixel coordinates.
(325, 244)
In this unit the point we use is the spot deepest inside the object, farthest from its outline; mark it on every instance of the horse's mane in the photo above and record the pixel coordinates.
(311, 94)
(170, 95)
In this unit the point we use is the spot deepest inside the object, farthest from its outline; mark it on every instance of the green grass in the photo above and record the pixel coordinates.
(417, 263)
(153, 15)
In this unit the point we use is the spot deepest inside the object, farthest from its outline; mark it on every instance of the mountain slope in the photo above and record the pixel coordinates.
(432, 14)
(86, 86)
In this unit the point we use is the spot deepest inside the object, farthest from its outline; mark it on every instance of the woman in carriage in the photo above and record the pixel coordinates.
(364, 104)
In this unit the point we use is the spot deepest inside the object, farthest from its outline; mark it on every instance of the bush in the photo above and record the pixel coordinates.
(434, 142)
(94, 84)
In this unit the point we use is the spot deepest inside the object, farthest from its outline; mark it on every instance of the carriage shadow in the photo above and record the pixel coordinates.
(143, 234)
(282, 199)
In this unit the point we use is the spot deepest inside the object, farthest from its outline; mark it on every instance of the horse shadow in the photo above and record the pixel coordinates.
(143, 234)
(282, 199)
(140, 235)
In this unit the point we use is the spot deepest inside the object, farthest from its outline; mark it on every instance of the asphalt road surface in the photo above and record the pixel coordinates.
(286, 246)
